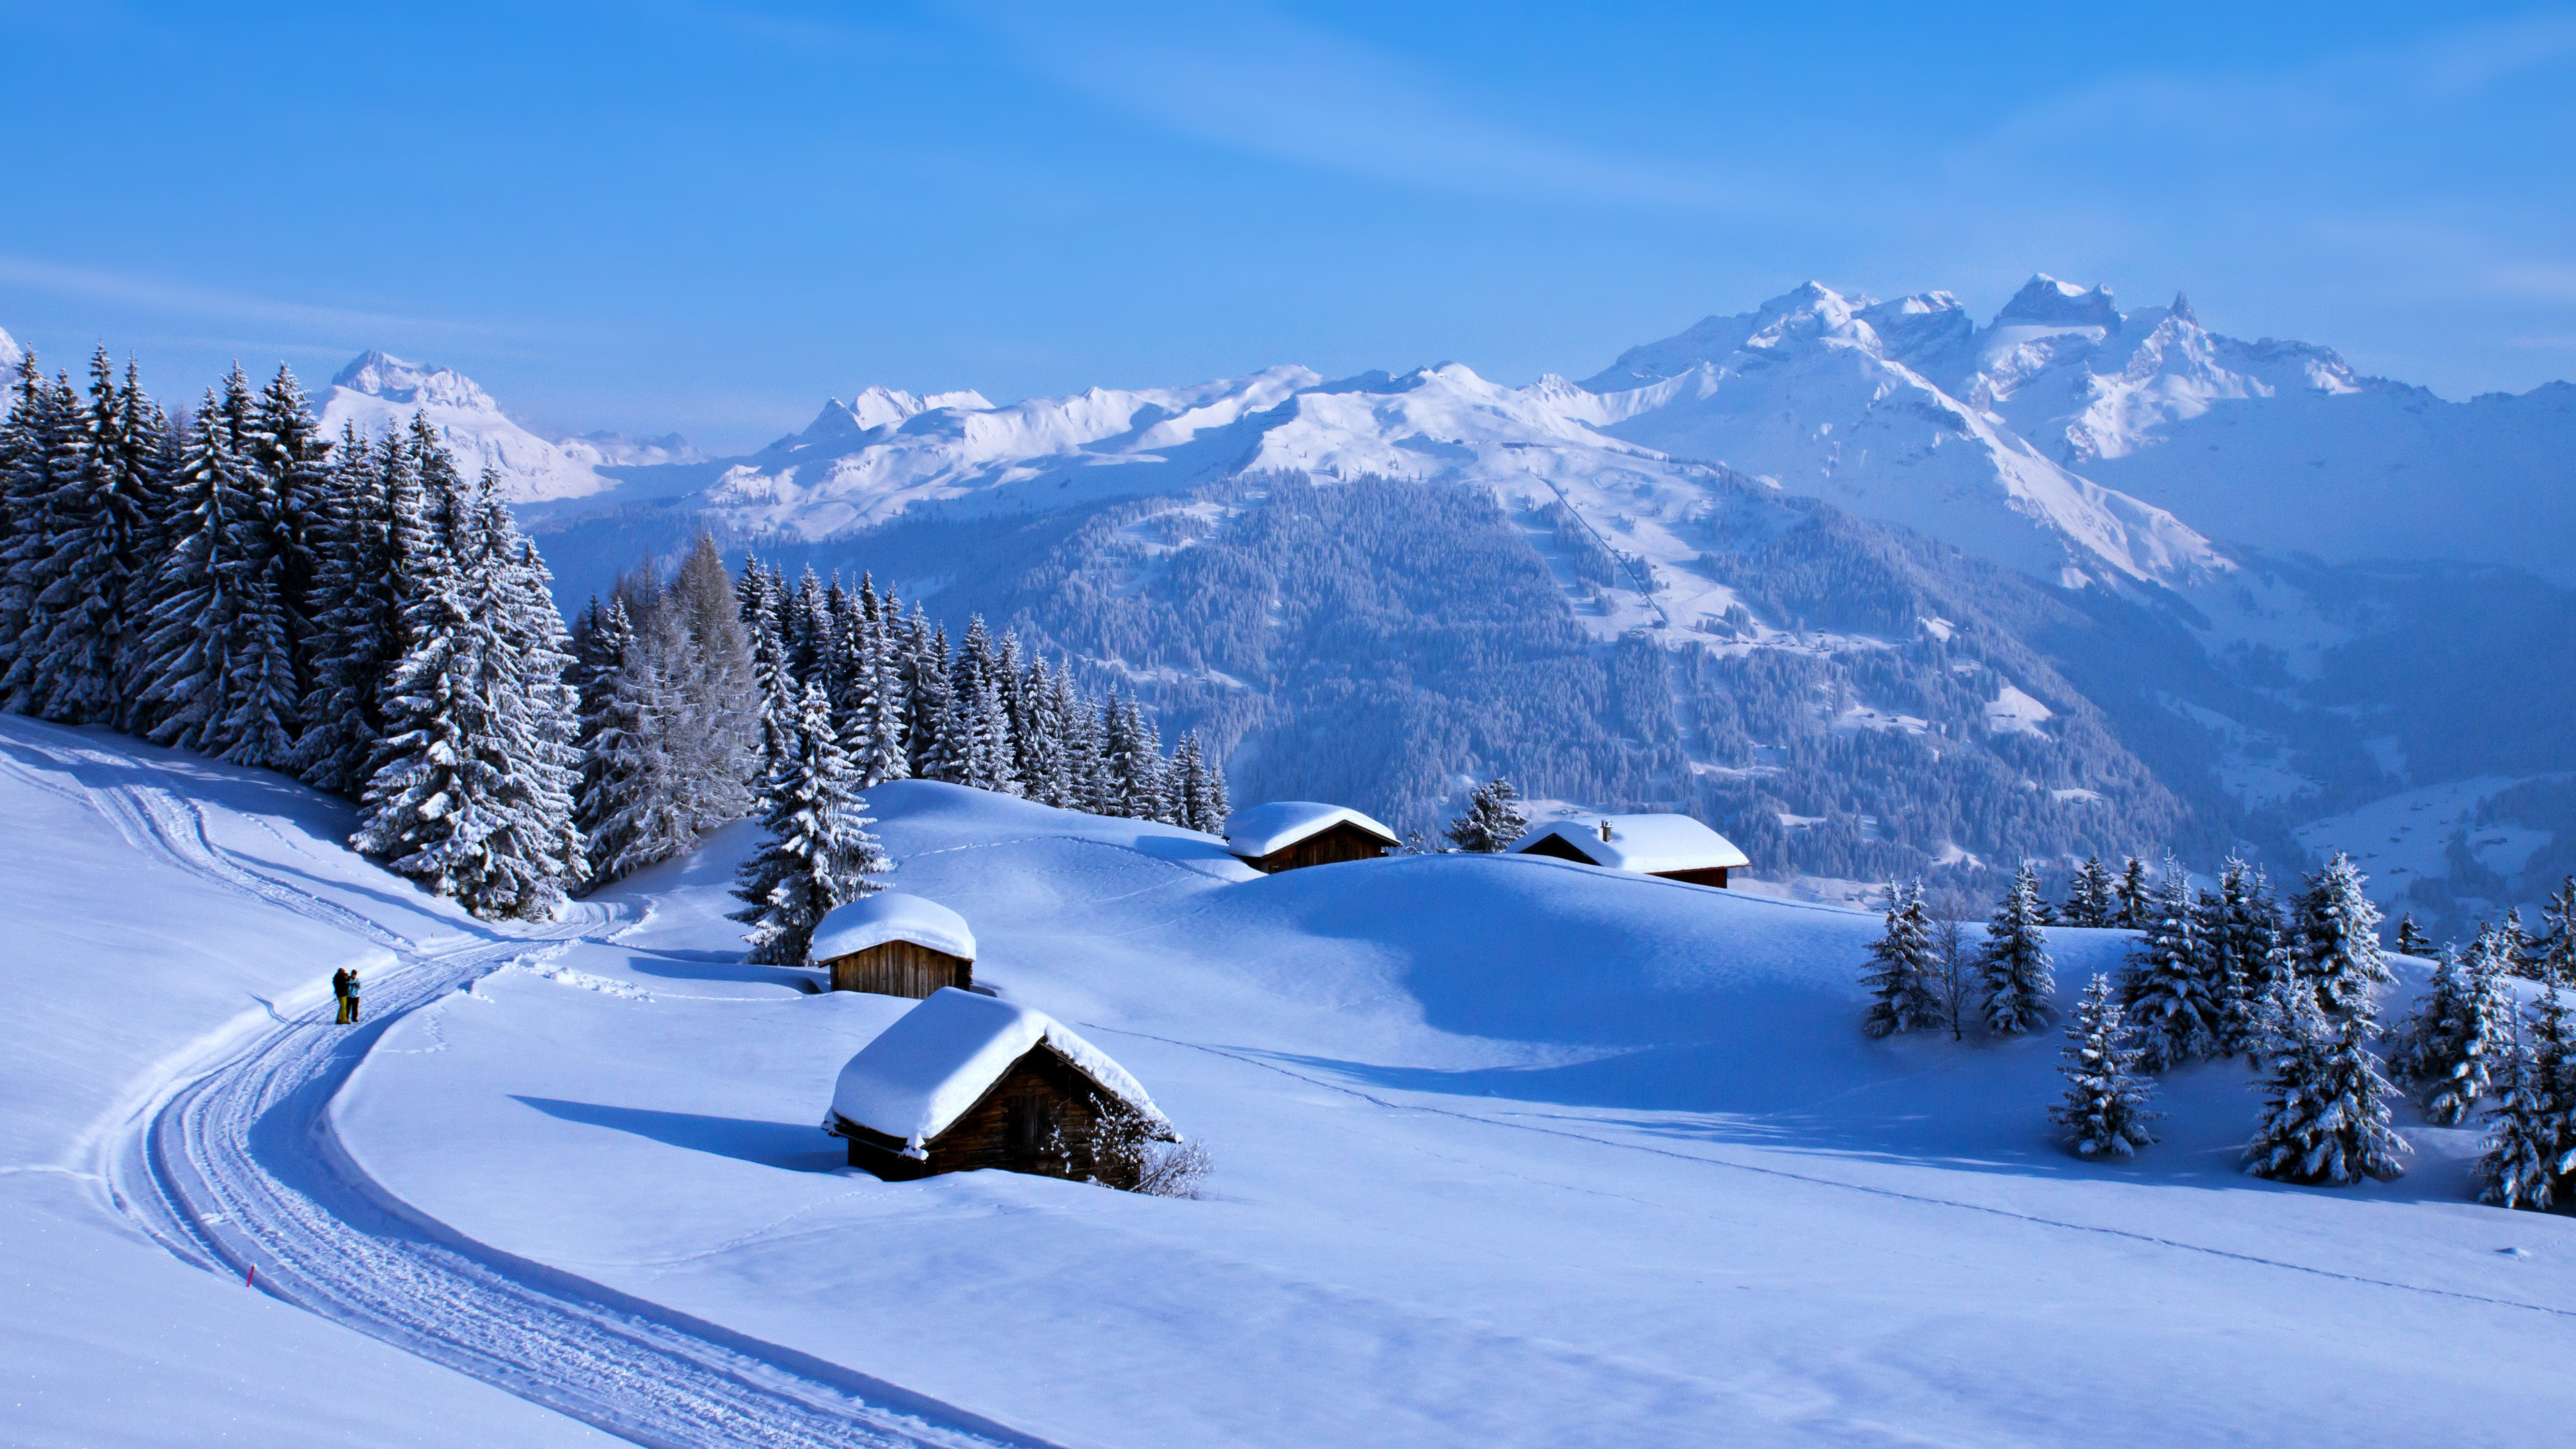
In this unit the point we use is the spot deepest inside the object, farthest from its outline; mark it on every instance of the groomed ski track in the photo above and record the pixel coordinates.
(232, 1165)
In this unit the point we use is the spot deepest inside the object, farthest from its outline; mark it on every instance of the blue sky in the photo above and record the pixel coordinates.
(708, 216)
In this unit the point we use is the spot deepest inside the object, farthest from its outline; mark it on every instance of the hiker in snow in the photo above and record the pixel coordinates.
(340, 980)
(349, 1003)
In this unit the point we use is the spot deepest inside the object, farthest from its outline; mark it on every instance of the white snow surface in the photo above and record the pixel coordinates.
(1642, 843)
(10, 352)
(380, 392)
(1507, 1151)
(881, 916)
(939, 1059)
(1256, 830)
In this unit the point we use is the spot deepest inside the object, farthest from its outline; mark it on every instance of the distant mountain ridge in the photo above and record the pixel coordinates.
(378, 391)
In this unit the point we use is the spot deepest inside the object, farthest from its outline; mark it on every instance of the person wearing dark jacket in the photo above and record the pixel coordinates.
(340, 980)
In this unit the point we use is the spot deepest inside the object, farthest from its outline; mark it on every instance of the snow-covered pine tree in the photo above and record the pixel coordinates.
(2105, 1104)
(819, 853)
(2130, 895)
(283, 468)
(1010, 680)
(86, 634)
(2452, 1049)
(286, 448)
(2555, 957)
(1198, 787)
(545, 845)
(1144, 785)
(1492, 820)
(928, 724)
(2411, 940)
(27, 439)
(2168, 992)
(1899, 976)
(2240, 934)
(630, 809)
(2530, 1158)
(1216, 801)
(2337, 940)
(2325, 1103)
(2020, 988)
(2090, 902)
(1041, 736)
(806, 626)
(1086, 775)
(2523, 949)
(359, 578)
(976, 736)
(198, 616)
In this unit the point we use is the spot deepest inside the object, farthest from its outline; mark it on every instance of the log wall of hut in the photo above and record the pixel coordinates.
(1555, 847)
(1038, 1117)
(1343, 841)
(900, 968)
(1714, 875)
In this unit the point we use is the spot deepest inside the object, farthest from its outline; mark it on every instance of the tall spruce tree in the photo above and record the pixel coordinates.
(2090, 901)
(2240, 934)
(2020, 988)
(2337, 940)
(1901, 967)
(2411, 940)
(2325, 1102)
(362, 589)
(819, 853)
(2105, 1104)
(2168, 992)
(40, 450)
(200, 645)
(2556, 955)
(86, 635)
(2530, 1158)
(2460, 1035)
(2130, 895)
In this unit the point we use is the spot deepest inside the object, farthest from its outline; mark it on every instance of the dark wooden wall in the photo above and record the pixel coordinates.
(1344, 841)
(1555, 847)
(900, 968)
(1715, 875)
(1036, 1118)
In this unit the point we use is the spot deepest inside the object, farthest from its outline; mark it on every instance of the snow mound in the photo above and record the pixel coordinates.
(882, 916)
(1257, 830)
(931, 1067)
(1647, 844)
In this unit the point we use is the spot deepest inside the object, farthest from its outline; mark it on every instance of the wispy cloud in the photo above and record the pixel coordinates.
(1258, 81)
(174, 298)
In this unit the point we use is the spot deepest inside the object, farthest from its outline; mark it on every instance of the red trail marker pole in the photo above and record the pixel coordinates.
(252, 1277)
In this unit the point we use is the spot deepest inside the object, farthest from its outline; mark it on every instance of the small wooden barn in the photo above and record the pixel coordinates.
(1291, 834)
(1674, 847)
(965, 1081)
(894, 945)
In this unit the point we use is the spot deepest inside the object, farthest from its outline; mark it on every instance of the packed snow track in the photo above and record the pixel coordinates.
(233, 1166)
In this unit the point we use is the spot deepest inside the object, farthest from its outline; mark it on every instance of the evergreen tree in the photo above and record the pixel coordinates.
(85, 635)
(2325, 1103)
(2020, 987)
(1043, 763)
(1135, 762)
(819, 852)
(2168, 993)
(471, 795)
(1492, 820)
(2556, 955)
(200, 647)
(927, 736)
(1901, 967)
(1086, 773)
(2338, 939)
(2240, 938)
(2130, 896)
(2091, 902)
(2105, 1105)
(2460, 1034)
(2523, 949)
(2530, 1159)
(41, 452)
(360, 579)
(2410, 940)
(703, 655)
(1198, 787)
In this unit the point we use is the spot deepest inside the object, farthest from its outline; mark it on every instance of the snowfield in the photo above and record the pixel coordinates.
(1508, 1151)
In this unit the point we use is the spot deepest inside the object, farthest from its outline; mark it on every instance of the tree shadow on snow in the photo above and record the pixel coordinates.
(781, 1145)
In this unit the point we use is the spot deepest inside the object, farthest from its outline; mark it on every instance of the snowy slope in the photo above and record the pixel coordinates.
(162, 909)
(1510, 1151)
(378, 392)
(10, 352)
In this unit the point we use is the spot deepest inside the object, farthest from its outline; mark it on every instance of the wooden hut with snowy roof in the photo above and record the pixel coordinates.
(1292, 834)
(1674, 847)
(965, 1081)
(894, 945)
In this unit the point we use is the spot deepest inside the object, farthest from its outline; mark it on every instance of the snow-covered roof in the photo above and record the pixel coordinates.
(1257, 830)
(882, 916)
(1650, 844)
(931, 1067)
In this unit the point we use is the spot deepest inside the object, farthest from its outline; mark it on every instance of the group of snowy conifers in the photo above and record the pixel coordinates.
(354, 612)
(2226, 973)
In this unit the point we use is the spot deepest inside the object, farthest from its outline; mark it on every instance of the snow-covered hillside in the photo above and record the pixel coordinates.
(1509, 1151)
(379, 392)
(10, 352)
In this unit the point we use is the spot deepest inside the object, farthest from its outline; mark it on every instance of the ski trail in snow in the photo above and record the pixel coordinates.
(233, 1164)
(1896, 1194)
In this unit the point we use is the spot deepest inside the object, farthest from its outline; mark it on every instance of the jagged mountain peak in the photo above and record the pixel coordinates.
(2045, 301)
(379, 392)
(380, 374)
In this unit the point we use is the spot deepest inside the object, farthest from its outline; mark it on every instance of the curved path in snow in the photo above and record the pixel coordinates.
(233, 1166)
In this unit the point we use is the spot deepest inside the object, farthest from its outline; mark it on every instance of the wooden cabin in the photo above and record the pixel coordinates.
(893, 944)
(1293, 834)
(964, 1082)
(1672, 847)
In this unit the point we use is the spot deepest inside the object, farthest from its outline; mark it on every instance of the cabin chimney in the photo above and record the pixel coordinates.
(1605, 832)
